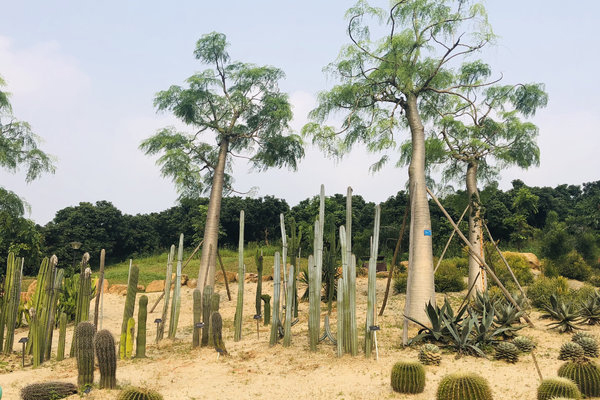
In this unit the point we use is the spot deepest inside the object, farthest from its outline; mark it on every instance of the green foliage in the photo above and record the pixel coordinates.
(574, 266)
(590, 309)
(570, 351)
(408, 377)
(135, 393)
(558, 387)
(589, 346)
(585, 374)
(448, 278)
(48, 391)
(507, 351)
(524, 344)
(400, 281)
(540, 291)
(518, 264)
(564, 313)
(463, 387)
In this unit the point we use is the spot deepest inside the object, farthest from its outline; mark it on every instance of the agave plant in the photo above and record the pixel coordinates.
(590, 310)
(565, 315)
(507, 316)
(439, 319)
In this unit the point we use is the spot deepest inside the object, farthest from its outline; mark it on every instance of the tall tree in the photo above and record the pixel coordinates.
(385, 86)
(241, 105)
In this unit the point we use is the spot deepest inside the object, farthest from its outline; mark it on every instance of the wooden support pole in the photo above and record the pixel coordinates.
(449, 241)
(224, 275)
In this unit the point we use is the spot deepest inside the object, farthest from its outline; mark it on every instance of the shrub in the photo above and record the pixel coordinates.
(540, 291)
(574, 266)
(400, 280)
(518, 264)
(448, 278)
(594, 280)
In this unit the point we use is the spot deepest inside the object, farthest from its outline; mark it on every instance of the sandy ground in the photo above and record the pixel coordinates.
(253, 370)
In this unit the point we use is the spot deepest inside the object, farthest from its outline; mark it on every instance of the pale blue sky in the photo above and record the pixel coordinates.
(84, 75)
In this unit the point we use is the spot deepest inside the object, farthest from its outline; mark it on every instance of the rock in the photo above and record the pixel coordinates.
(156, 286)
(105, 284)
(140, 288)
(531, 258)
(231, 277)
(267, 278)
(184, 278)
(117, 289)
(251, 278)
(192, 283)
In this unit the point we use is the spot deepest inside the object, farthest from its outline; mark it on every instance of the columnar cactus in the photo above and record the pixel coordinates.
(558, 387)
(12, 286)
(37, 296)
(408, 377)
(197, 298)
(463, 387)
(214, 307)
(48, 391)
(129, 307)
(35, 333)
(62, 333)
(314, 300)
(51, 323)
(258, 258)
(140, 340)
(206, 298)
(135, 393)
(287, 329)
(216, 323)
(586, 376)
(83, 297)
(160, 332)
(104, 343)
(294, 247)
(275, 322)
(129, 338)
(267, 311)
(350, 295)
(176, 305)
(340, 320)
(371, 295)
(84, 337)
(237, 321)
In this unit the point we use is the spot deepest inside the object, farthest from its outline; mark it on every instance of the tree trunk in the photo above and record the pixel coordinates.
(475, 231)
(420, 287)
(206, 275)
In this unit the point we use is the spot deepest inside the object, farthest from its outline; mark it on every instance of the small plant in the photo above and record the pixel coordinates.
(429, 354)
(400, 281)
(507, 316)
(577, 336)
(408, 377)
(589, 346)
(570, 352)
(135, 393)
(48, 391)
(585, 374)
(463, 387)
(507, 351)
(524, 344)
(590, 310)
(563, 313)
(448, 278)
(540, 291)
(558, 387)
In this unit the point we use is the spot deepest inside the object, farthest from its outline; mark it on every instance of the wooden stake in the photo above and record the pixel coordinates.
(449, 241)
(224, 275)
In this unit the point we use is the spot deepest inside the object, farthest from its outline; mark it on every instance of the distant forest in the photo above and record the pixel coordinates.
(550, 222)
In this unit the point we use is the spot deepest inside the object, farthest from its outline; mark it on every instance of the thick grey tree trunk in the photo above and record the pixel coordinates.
(206, 275)
(476, 278)
(420, 286)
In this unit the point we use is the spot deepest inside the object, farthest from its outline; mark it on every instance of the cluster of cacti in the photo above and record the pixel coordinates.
(53, 303)
(10, 305)
(429, 354)
(135, 393)
(570, 351)
(371, 293)
(237, 321)
(160, 331)
(267, 309)
(524, 344)
(275, 322)
(140, 339)
(408, 377)
(216, 323)
(588, 343)
(176, 303)
(197, 312)
(82, 310)
(62, 333)
(507, 351)
(586, 376)
(84, 352)
(104, 343)
(463, 387)
(553, 388)
(206, 300)
(39, 297)
(129, 308)
(48, 391)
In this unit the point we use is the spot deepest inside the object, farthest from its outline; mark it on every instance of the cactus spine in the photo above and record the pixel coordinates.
(267, 312)
(176, 305)
(237, 336)
(276, 295)
(129, 307)
(206, 298)
(287, 330)
(585, 374)
(12, 286)
(463, 386)
(160, 332)
(197, 298)
(408, 377)
(104, 344)
(140, 340)
(214, 307)
(48, 391)
(84, 336)
(62, 333)
(371, 296)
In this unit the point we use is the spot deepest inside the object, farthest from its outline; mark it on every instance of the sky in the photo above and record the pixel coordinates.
(84, 75)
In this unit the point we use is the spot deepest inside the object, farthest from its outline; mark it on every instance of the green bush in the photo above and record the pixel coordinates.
(574, 266)
(518, 264)
(594, 280)
(540, 291)
(400, 280)
(448, 278)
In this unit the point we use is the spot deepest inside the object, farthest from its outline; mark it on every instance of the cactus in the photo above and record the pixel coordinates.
(37, 295)
(129, 307)
(206, 298)
(216, 323)
(463, 387)
(258, 258)
(62, 333)
(340, 320)
(581, 334)
(129, 337)
(507, 351)
(135, 393)
(429, 354)
(524, 344)
(294, 247)
(176, 305)
(408, 377)
(140, 340)
(104, 343)
(287, 330)
(314, 300)
(350, 295)
(84, 336)
(36, 337)
(56, 287)
(570, 352)
(276, 295)
(45, 317)
(237, 321)
(589, 346)
(48, 391)
(83, 297)
(371, 295)
(197, 298)
(14, 270)
(214, 307)
(586, 376)
(558, 387)
(160, 332)
(267, 312)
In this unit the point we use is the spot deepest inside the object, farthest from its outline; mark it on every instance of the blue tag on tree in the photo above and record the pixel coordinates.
(427, 232)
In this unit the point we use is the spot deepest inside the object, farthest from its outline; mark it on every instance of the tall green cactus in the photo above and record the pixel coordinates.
(38, 295)
(13, 287)
(84, 344)
(160, 332)
(340, 319)
(214, 307)
(371, 295)
(237, 321)
(104, 343)
(129, 308)
(62, 333)
(350, 282)
(276, 296)
(197, 309)
(129, 339)
(176, 305)
(35, 332)
(314, 301)
(258, 258)
(83, 296)
(140, 340)
(206, 298)
(287, 328)
(294, 246)
(216, 323)
(44, 312)
(56, 287)
(267, 310)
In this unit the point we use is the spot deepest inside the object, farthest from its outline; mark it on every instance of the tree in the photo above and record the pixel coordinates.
(242, 106)
(386, 85)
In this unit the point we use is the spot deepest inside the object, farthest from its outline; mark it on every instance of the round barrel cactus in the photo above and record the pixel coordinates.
(135, 393)
(462, 387)
(48, 391)
(585, 374)
(558, 387)
(408, 377)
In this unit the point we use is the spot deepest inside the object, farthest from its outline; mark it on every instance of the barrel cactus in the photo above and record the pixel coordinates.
(585, 374)
(589, 346)
(104, 343)
(507, 351)
(429, 354)
(570, 351)
(524, 344)
(48, 391)
(135, 393)
(558, 387)
(408, 377)
(84, 351)
(462, 387)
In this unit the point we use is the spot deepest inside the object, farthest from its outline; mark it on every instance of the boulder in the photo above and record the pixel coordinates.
(251, 277)
(534, 262)
(141, 288)
(231, 276)
(156, 286)
(105, 284)
(184, 278)
(266, 278)
(117, 289)
(192, 283)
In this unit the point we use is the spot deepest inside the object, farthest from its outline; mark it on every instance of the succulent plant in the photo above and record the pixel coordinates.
(84, 351)
(552, 388)
(589, 345)
(507, 351)
(524, 344)
(463, 387)
(206, 298)
(48, 391)
(267, 309)
(140, 340)
(571, 352)
(197, 310)
(104, 343)
(429, 354)
(217, 332)
(62, 333)
(585, 374)
(135, 393)
(581, 334)
(408, 377)
(129, 307)
(129, 338)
